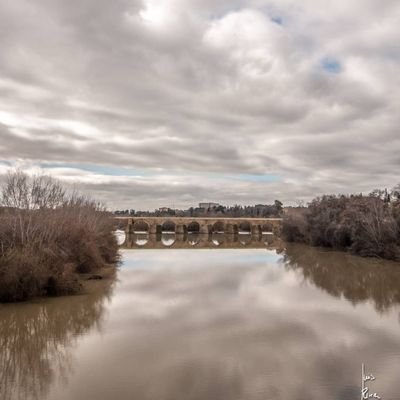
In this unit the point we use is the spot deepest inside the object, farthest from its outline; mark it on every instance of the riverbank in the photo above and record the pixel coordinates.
(83, 249)
(50, 241)
(91, 283)
(368, 226)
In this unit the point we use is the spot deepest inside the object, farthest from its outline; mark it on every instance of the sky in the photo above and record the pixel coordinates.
(151, 103)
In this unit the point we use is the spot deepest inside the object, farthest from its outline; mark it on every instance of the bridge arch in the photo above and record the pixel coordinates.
(217, 239)
(193, 227)
(140, 226)
(245, 240)
(141, 239)
(120, 235)
(267, 228)
(244, 227)
(218, 227)
(168, 226)
(194, 239)
(168, 240)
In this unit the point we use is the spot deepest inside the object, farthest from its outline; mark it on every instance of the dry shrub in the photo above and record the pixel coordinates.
(365, 225)
(374, 229)
(47, 238)
(295, 228)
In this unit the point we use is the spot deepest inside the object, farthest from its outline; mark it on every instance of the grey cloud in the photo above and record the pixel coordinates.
(200, 87)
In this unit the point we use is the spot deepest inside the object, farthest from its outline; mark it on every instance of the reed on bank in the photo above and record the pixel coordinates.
(49, 238)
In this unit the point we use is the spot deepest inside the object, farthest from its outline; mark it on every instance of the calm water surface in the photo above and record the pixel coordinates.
(231, 323)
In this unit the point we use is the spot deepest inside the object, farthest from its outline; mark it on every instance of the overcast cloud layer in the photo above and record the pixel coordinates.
(170, 102)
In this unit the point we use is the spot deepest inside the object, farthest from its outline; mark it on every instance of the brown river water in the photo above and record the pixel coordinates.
(211, 319)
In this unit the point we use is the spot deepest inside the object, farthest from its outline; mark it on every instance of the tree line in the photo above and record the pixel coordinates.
(367, 225)
(236, 211)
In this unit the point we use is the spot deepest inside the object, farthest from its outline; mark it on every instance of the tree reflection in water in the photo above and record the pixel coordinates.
(355, 278)
(36, 340)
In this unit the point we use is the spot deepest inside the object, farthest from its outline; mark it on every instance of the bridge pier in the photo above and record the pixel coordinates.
(181, 229)
(277, 230)
(205, 229)
(231, 229)
(129, 226)
(154, 229)
(180, 237)
(256, 230)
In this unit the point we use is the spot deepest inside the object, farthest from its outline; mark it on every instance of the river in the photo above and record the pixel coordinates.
(229, 320)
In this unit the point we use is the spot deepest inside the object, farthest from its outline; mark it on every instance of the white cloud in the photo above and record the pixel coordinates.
(193, 89)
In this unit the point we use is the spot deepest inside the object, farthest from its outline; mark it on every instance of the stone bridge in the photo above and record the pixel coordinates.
(183, 225)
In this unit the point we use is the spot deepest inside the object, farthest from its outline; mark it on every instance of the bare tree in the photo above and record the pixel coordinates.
(22, 191)
(47, 236)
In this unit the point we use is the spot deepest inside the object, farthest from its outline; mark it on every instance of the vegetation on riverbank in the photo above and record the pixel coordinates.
(49, 238)
(368, 226)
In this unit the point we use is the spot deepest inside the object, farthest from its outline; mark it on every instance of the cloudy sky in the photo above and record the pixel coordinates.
(148, 103)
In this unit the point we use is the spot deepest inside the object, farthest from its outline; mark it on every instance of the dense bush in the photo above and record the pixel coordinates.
(295, 228)
(365, 225)
(48, 237)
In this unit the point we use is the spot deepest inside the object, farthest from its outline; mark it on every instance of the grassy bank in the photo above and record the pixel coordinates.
(368, 226)
(49, 239)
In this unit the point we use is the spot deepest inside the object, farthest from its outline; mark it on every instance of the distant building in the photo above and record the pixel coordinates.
(164, 209)
(207, 206)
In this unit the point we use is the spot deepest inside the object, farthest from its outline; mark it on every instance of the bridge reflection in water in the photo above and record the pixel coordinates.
(170, 240)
